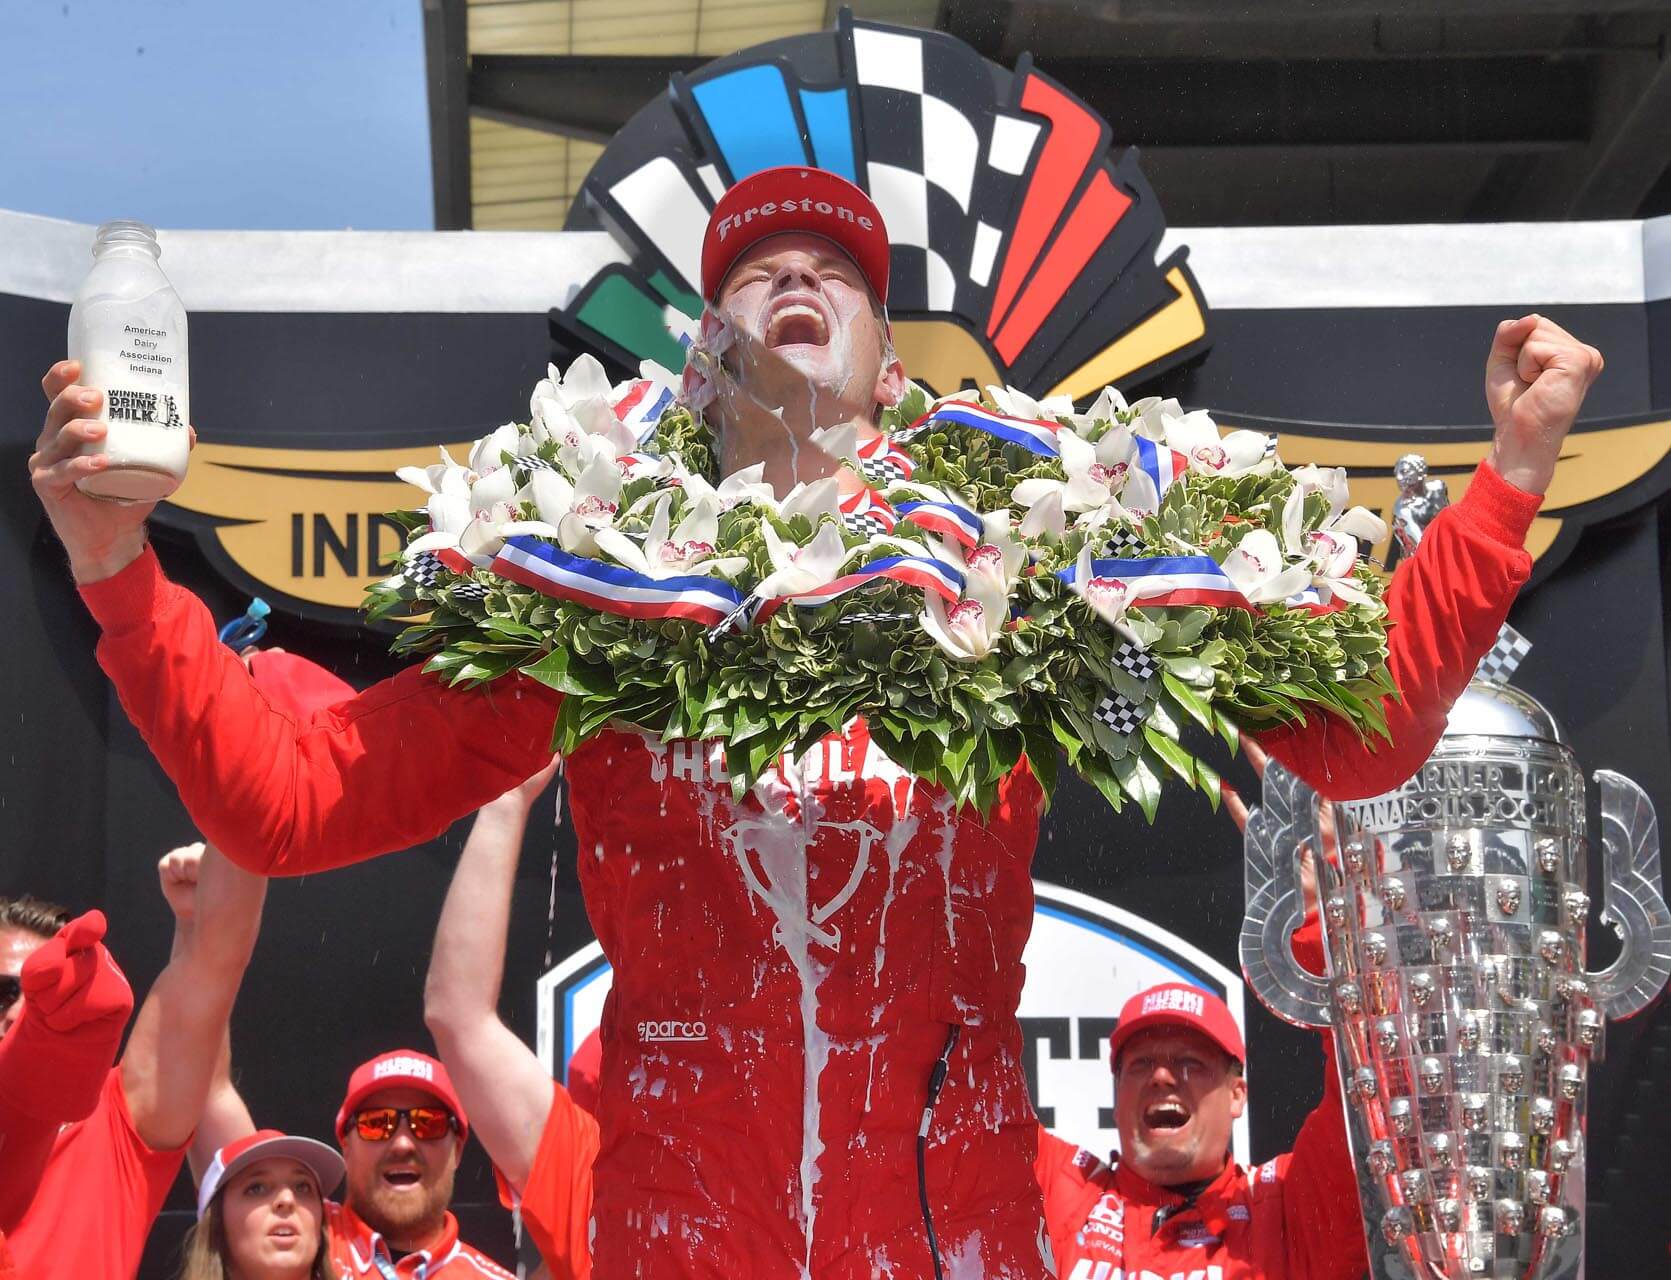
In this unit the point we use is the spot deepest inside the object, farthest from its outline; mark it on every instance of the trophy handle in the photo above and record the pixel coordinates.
(1277, 831)
(1632, 901)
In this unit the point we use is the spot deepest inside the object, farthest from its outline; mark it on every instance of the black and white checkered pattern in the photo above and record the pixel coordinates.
(1121, 715)
(1504, 658)
(424, 569)
(469, 591)
(1123, 544)
(873, 616)
(1134, 661)
(866, 524)
(883, 471)
(527, 464)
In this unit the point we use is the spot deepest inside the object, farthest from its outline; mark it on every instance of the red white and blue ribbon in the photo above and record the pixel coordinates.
(1161, 464)
(1187, 580)
(1030, 433)
(1311, 601)
(612, 588)
(957, 523)
(643, 406)
(933, 575)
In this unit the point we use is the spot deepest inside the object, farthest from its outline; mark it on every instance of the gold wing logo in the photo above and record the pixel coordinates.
(1605, 468)
(307, 528)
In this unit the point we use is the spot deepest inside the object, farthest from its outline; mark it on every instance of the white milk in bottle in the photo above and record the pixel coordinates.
(128, 329)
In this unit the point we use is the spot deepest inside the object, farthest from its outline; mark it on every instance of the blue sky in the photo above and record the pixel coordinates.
(216, 113)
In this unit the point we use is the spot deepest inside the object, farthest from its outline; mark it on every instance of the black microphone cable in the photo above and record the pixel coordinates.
(935, 1082)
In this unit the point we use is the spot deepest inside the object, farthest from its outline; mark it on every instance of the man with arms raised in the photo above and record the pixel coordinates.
(792, 970)
(108, 1174)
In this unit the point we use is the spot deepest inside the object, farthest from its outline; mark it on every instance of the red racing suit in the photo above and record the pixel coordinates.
(786, 968)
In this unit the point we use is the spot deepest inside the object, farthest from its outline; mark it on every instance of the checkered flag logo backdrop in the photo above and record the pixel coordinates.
(424, 569)
(1504, 658)
(1121, 715)
(1134, 661)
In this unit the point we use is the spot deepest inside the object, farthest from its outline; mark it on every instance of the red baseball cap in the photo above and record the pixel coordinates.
(325, 1164)
(400, 1069)
(1177, 1004)
(795, 198)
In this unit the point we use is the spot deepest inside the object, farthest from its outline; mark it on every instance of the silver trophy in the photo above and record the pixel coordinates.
(1454, 912)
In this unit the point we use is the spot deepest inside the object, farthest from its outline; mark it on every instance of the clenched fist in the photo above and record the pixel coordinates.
(1536, 378)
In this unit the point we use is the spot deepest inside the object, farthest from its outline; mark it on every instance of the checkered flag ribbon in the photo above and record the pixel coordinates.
(882, 464)
(424, 569)
(1134, 661)
(866, 524)
(1504, 658)
(1123, 544)
(527, 464)
(470, 591)
(1122, 715)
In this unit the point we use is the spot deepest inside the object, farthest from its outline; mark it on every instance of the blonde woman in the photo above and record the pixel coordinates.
(261, 1211)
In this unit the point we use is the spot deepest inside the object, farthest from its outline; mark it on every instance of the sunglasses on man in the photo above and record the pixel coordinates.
(378, 1124)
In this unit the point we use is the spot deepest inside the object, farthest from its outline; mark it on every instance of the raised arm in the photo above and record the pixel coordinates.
(54, 1060)
(225, 1117)
(505, 1090)
(1447, 602)
(276, 793)
(171, 1055)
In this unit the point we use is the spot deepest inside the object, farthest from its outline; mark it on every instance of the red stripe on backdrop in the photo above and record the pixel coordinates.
(1070, 142)
(1087, 227)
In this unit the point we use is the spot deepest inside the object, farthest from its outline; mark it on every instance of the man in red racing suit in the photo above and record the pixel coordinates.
(1172, 1205)
(786, 967)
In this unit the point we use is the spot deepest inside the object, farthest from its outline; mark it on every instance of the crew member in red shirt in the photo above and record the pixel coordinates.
(820, 944)
(1172, 1203)
(109, 1173)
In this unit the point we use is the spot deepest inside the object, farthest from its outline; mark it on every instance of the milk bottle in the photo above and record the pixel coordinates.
(128, 329)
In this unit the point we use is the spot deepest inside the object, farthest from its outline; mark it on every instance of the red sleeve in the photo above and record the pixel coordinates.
(50, 1076)
(1322, 1219)
(284, 795)
(1445, 605)
(557, 1202)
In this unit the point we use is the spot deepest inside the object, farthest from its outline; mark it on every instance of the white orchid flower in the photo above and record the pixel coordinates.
(487, 454)
(647, 466)
(1097, 476)
(1107, 407)
(1328, 481)
(999, 557)
(689, 550)
(1018, 404)
(580, 402)
(445, 476)
(1196, 436)
(1152, 415)
(1261, 573)
(968, 630)
(1112, 598)
(473, 526)
(1331, 551)
(813, 500)
(796, 569)
(577, 511)
(1046, 516)
(744, 486)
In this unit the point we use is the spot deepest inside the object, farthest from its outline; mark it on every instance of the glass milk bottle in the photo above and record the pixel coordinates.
(128, 329)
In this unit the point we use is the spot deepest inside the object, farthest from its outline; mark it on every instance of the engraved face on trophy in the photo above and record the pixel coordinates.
(1432, 1074)
(1387, 1037)
(1508, 896)
(1548, 853)
(1509, 1217)
(1474, 1109)
(1479, 1182)
(1537, 1186)
(1363, 1084)
(1543, 1115)
(1401, 1117)
(1587, 1028)
(1571, 1081)
(1398, 1224)
(1459, 851)
(1511, 1074)
(1441, 1150)
(1380, 1160)
(1393, 893)
(1335, 909)
(1552, 946)
(1349, 997)
(1468, 1033)
(1561, 1154)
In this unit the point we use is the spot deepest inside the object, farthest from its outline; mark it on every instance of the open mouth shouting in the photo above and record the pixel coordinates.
(798, 319)
(401, 1177)
(1167, 1116)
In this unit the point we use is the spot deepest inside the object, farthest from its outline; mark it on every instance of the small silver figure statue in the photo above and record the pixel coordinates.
(1419, 500)
(1454, 912)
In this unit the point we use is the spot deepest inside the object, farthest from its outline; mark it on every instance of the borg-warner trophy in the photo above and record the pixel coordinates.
(1454, 912)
